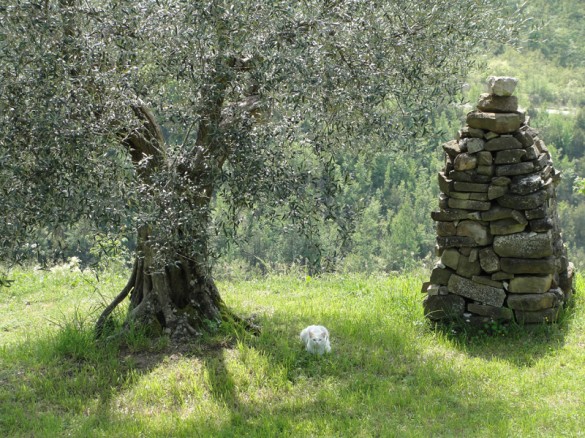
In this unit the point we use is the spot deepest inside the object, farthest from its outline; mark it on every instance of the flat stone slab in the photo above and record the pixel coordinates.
(532, 302)
(464, 204)
(515, 169)
(528, 266)
(538, 317)
(465, 161)
(495, 192)
(438, 307)
(502, 143)
(524, 245)
(470, 187)
(497, 104)
(532, 284)
(523, 185)
(478, 292)
(472, 145)
(523, 202)
(510, 156)
(449, 215)
(500, 123)
(456, 242)
(506, 226)
(497, 313)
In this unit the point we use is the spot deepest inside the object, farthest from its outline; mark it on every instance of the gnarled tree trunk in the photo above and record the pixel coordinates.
(178, 298)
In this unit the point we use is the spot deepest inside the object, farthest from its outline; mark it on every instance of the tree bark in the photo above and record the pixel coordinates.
(179, 298)
(176, 299)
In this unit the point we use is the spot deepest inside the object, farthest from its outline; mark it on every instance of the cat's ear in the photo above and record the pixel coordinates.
(311, 334)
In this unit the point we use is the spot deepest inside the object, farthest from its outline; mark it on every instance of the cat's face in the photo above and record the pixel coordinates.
(317, 339)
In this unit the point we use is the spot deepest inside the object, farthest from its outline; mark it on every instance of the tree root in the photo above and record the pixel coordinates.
(101, 322)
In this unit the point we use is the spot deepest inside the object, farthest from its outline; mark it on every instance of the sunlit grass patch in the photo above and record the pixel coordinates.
(389, 372)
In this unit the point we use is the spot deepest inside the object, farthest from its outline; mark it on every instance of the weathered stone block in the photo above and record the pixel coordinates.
(485, 170)
(500, 123)
(452, 148)
(446, 229)
(497, 104)
(440, 275)
(496, 213)
(468, 204)
(528, 266)
(541, 225)
(475, 230)
(470, 187)
(484, 158)
(456, 242)
(459, 195)
(489, 261)
(515, 169)
(523, 202)
(502, 85)
(481, 279)
(478, 196)
(496, 313)
(502, 143)
(495, 192)
(449, 215)
(501, 181)
(532, 284)
(445, 184)
(511, 156)
(532, 302)
(501, 275)
(473, 145)
(467, 132)
(450, 258)
(524, 245)
(537, 213)
(465, 161)
(525, 138)
(531, 153)
(541, 162)
(478, 292)
(539, 317)
(440, 307)
(506, 226)
(469, 176)
(467, 268)
(523, 185)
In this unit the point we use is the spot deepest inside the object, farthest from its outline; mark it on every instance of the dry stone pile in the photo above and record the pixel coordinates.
(498, 235)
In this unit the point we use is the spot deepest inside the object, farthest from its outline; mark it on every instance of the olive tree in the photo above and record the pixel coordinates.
(133, 116)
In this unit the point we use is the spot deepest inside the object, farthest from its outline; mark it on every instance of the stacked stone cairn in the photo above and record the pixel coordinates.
(498, 235)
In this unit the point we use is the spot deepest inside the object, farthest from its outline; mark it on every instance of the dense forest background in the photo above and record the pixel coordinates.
(375, 216)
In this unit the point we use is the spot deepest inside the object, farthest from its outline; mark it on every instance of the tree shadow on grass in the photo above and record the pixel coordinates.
(375, 383)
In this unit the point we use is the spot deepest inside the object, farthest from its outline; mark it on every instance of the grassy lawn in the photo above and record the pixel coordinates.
(389, 373)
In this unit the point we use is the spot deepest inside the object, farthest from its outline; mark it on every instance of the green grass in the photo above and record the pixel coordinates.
(389, 373)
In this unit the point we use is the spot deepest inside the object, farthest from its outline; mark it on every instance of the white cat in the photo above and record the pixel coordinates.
(316, 339)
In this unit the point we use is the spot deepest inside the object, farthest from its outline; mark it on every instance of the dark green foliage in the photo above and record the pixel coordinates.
(250, 98)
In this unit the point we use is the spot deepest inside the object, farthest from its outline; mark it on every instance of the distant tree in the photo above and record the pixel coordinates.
(141, 112)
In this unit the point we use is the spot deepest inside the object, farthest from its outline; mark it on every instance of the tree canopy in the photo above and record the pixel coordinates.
(133, 115)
